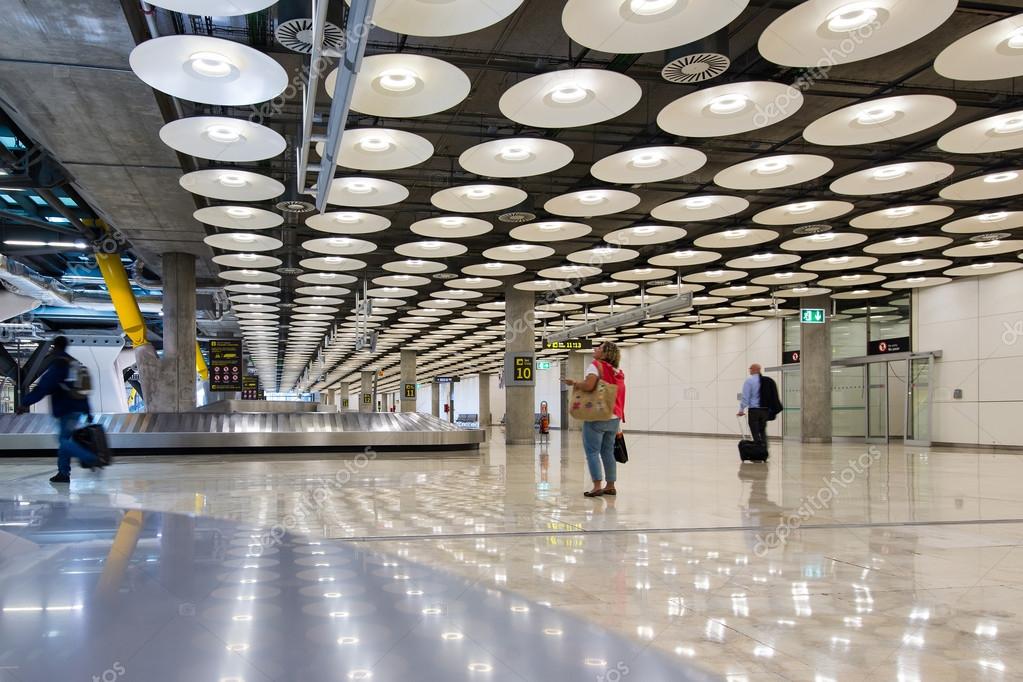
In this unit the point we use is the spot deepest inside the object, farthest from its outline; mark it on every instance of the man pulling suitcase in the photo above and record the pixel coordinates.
(760, 401)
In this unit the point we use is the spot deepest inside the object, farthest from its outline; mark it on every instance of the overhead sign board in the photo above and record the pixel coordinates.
(575, 344)
(885, 346)
(226, 365)
(519, 369)
(250, 388)
(811, 315)
(790, 357)
(543, 364)
(446, 380)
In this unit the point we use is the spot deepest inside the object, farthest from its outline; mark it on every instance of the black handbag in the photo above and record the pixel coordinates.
(621, 450)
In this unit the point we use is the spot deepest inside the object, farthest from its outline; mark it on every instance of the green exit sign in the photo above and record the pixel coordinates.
(543, 364)
(812, 315)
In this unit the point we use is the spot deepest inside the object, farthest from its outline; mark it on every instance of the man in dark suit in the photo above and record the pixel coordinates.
(760, 400)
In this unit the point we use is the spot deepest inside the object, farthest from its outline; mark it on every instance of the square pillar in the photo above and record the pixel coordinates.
(435, 399)
(408, 378)
(520, 320)
(815, 373)
(175, 389)
(370, 404)
(485, 418)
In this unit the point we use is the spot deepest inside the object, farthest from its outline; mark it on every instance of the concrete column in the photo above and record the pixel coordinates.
(435, 399)
(345, 393)
(367, 389)
(815, 374)
(408, 376)
(519, 325)
(175, 390)
(485, 418)
(575, 366)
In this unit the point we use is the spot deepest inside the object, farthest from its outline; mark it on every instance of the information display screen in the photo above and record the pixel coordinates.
(226, 365)
(564, 345)
(250, 388)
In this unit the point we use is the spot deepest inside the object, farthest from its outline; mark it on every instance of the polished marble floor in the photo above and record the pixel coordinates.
(828, 563)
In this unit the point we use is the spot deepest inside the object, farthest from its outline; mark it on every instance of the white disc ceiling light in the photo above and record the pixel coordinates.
(339, 246)
(594, 202)
(332, 264)
(380, 149)
(477, 198)
(844, 31)
(684, 258)
(602, 255)
(702, 207)
(215, 8)
(231, 185)
(991, 186)
(550, 231)
(451, 227)
(994, 134)
(803, 212)
(347, 222)
(570, 98)
(992, 221)
(253, 276)
(363, 192)
(901, 216)
(222, 139)
(733, 239)
(823, 241)
(238, 217)
(405, 85)
(648, 164)
(208, 70)
(516, 157)
(990, 53)
(644, 235)
(243, 241)
(494, 269)
(896, 177)
(247, 260)
(878, 120)
(768, 172)
(440, 17)
(430, 249)
(518, 252)
(635, 26)
(730, 109)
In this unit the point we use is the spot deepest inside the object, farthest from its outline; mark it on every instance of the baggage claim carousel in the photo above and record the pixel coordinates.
(244, 427)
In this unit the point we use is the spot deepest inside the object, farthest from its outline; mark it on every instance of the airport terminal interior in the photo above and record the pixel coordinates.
(526, 340)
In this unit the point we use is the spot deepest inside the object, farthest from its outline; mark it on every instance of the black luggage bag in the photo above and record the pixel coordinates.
(749, 449)
(94, 439)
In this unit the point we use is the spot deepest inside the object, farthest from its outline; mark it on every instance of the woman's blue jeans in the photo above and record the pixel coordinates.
(599, 444)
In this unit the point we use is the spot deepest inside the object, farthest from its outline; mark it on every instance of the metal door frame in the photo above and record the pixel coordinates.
(886, 438)
(925, 442)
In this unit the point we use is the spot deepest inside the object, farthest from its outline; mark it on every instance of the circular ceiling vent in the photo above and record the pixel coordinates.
(990, 237)
(695, 68)
(297, 36)
(816, 228)
(445, 275)
(288, 270)
(517, 217)
(295, 206)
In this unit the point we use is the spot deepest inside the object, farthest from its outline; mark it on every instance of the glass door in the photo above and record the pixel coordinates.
(919, 400)
(792, 390)
(877, 401)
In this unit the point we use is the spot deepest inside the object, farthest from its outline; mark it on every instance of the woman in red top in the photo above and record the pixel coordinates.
(599, 436)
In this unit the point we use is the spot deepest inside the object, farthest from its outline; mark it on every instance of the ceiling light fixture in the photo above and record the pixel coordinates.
(990, 244)
(647, 160)
(822, 237)
(224, 134)
(591, 198)
(645, 230)
(515, 153)
(761, 257)
(725, 105)
(898, 212)
(232, 180)
(1009, 126)
(982, 266)
(995, 217)
(211, 64)
(398, 80)
(771, 167)
(243, 238)
(839, 260)
(906, 241)
(1015, 40)
(682, 255)
(1001, 177)
(347, 218)
(875, 116)
(805, 207)
(478, 193)
(358, 187)
(735, 234)
(912, 262)
(375, 144)
(649, 8)
(852, 17)
(889, 172)
(568, 94)
(239, 212)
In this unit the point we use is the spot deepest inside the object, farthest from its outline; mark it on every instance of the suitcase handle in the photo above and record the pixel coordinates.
(742, 429)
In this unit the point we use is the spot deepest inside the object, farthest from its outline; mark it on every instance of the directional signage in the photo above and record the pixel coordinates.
(518, 369)
(884, 346)
(225, 365)
(812, 316)
(250, 388)
(410, 391)
(564, 345)
(446, 380)
(344, 402)
(790, 357)
(367, 398)
(543, 364)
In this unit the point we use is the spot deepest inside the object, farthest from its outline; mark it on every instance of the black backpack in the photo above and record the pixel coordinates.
(78, 383)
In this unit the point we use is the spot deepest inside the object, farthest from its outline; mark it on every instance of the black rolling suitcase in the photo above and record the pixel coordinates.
(94, 439)
(749, 449)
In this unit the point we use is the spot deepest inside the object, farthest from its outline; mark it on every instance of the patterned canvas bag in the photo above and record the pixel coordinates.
(595, 405)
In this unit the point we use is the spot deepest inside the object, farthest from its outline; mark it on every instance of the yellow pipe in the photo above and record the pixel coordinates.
(125, 542)
(123, 297)
(200, 364)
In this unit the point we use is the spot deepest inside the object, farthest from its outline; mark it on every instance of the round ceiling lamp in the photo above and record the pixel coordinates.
(477, 198)
(222, 139)
(831, 32)
(896, 177)
(803, 212)
(823, 241)
(912, 265)
(985, 249)
(648, 164)
(643, 274)
(430, 249)
(901, 216)
(570, 272)
(474, 283)
(347, 222)
(214, 8)
(493, 269)
(516, 157)
(712, 277)
(839, 262)
(982, 268)
(635, 26)
(570, 98)
(602, 255)
(550, 231)
(414, 266)
(332, 264)
(786, 277)
(543, 285)
(644, 235)
(989, 135)
(231, 185)
(253, 276)
(451, 227)
(992, 221)
(590, 203)
(238, 217)
(878, 120)
(245, 242)
(326, 278)
(443, 18)
(698, 208)
(997, 185)
(684, 258)
(208, 70)
(989, 53)
(405, 86)
(916, 282)
(730, 109)
(606, 288)
(251, 288)
(402, 280)
(247, 261)
(518, 252)
(380, 149)
(768, 172)
(339, 246)
(363, 192)
(733, 239)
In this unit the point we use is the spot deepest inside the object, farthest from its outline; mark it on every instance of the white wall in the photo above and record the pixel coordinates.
(548, 387)
(497, 401)
(689, 384)
(977, 323)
